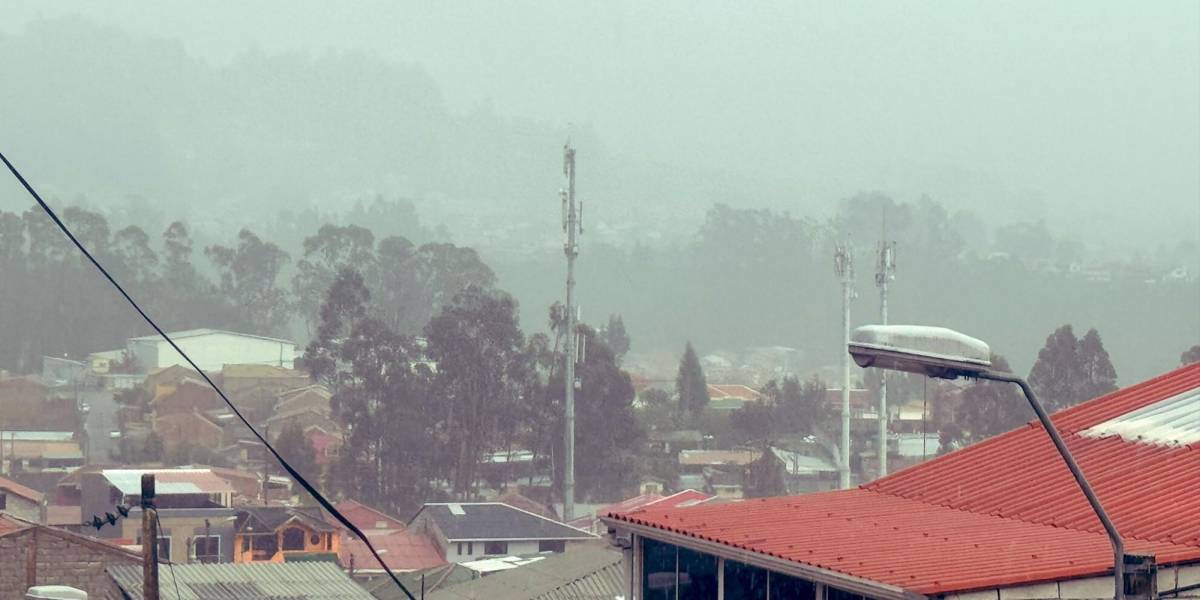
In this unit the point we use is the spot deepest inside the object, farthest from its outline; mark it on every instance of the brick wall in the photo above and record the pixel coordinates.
(60, 558)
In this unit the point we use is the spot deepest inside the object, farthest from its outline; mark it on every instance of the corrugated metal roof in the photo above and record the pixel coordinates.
(246, 581)
(168, 481)
(1000, 513)
(583, 573)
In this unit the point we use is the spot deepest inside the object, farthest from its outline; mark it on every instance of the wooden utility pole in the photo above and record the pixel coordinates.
(149, 540)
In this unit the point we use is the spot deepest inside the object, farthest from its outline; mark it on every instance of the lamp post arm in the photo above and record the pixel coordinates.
(1114, 537)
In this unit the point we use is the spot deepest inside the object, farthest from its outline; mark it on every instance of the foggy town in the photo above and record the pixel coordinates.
(599, 300)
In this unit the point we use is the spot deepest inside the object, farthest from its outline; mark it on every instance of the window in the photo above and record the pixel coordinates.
(314, 540)
(293, 539)
(206, 548)
(460, 548)
(658, 570)
(3, 501)
(495, 548)
(744, 582)
(836, 594)
(164, 546)
(552, 546)
(698, 576)
(470, 547)
(245, 543)
(785, 586)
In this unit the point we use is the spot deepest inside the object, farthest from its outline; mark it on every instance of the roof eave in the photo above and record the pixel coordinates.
(857, 585)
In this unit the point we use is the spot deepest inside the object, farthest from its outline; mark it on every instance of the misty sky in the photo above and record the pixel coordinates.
(1085, 113)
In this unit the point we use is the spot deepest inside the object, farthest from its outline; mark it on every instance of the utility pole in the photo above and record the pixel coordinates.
(572, 226)
(149, 540)
(885, 272)
(843, 264)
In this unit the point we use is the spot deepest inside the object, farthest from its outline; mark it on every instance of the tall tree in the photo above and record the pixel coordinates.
(755, 423)
(1098, 375)
(616, 337)
(332, 248)
(249, 279)
(989, 407)
(298, 450)
(764, 476)
(799, 408)
(1070, 370)
(690, 385)
(1056, 375)
(478, 349)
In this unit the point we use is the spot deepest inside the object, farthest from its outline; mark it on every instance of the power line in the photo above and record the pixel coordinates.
(287, 467)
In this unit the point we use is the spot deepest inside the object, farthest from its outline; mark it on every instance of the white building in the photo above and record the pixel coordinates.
(211, 349)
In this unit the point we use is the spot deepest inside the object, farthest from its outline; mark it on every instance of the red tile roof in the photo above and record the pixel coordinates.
(402, 551)
(366, 518)
(1000, 513)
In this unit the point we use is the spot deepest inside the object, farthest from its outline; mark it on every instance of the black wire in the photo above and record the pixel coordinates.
(170, 563)
(287, 467)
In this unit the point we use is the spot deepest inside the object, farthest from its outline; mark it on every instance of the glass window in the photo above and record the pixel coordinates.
(658, 570)
(836, 594)
(697, 575)
(744, 582)
(206, 548)
(460, 548)
(293, 539)
(552, 546)
(786, 586)
(495, 548)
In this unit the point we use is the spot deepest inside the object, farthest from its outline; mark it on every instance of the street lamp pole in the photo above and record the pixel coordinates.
(1114, 536)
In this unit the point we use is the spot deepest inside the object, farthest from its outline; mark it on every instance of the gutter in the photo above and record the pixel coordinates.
(850, 583)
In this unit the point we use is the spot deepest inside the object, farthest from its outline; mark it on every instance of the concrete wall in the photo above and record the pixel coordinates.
(22, 507)
(43, 556)
(477, 550)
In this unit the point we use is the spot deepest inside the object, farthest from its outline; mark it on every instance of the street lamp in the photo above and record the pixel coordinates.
(947, 354)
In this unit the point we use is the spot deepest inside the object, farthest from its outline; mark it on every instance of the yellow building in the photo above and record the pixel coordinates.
(276, 533)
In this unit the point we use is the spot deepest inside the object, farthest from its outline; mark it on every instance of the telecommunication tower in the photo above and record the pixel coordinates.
(843, 265)
(885, 272)
(573, 227)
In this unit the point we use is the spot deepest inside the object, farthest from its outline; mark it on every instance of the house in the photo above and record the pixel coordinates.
(685, 498)
(33, 554)
(255, 388)
(304, 417)
(21, 501)
(402, 551)
(669, 443)
(467, 531)
(430, 580)
(40, 451)
(167, 377)
(310, 396)
(586, 572)
(189, 395)
(283, 533)
(28, 403)
(254, 581)
(327, 445)
(1000, 519)
(193, 509)
(248, 485)
(368, 520)
(211, 349)
(723, 396)
(188, 428)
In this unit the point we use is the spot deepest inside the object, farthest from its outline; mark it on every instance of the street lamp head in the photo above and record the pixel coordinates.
(931, 351)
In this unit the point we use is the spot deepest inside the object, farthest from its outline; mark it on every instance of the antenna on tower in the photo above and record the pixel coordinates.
(885, 273)
(843, 265)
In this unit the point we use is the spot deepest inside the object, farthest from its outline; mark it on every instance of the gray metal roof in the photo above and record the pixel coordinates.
(248, 581)
(583, 573)
(474, 521)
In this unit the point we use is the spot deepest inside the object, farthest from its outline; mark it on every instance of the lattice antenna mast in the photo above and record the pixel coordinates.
(573, 227)
(843, 265)
(885, 272)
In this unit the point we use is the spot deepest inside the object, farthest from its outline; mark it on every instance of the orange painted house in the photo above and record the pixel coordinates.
(277, 533)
